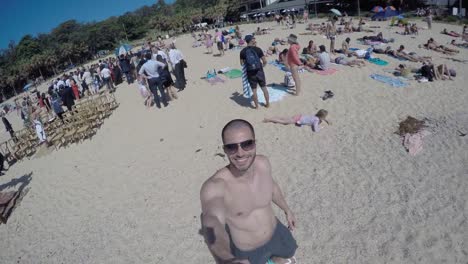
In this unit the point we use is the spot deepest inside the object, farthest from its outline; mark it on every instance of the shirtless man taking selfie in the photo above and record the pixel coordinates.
(237, 215)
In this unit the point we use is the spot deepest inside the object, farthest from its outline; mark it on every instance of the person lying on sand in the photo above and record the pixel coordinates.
(404, 71)
(451, 33)
(343, 60)
(460, 45)
(299, 120)
(433, 45)
(411, 56)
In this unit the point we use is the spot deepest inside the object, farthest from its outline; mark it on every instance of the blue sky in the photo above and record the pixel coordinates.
(21, 17)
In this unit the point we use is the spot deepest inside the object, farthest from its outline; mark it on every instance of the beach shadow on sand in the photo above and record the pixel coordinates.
(11, 194)
(241, 100)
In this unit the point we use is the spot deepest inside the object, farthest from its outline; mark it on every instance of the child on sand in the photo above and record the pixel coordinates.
(307, 120)
(144, 91)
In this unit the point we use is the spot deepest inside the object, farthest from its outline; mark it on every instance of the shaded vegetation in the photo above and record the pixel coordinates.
(73, 43)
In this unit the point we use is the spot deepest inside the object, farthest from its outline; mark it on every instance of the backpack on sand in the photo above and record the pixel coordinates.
(252, 60)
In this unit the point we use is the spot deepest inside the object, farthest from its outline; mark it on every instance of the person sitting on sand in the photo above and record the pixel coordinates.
(343, 60)
(414, 29)
(442, 72)
(311, 49)
(307, 120)
(345, 47)
(282, 57)
(324, 59)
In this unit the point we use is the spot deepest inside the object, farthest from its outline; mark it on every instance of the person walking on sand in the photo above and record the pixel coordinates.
(331, 33)
(8, 127)
(294, 62)
(429, 19)
(238, 222)
(254, 60)
(150, 72)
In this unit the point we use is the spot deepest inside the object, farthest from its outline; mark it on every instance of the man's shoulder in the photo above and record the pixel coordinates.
(262, 161)
(214, 186)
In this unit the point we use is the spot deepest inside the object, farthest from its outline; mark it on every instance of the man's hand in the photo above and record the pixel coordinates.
(291, 220)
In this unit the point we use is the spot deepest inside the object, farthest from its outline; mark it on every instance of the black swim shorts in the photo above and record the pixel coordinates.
(256, 78)
(282, 244)
(220, 45)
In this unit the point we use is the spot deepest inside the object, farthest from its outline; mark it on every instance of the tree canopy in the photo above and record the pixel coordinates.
(72, 42)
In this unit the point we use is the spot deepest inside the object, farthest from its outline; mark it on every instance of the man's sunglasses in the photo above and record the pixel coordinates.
(234, 147)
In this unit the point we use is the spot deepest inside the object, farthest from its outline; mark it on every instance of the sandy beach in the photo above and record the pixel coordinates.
(131, 193)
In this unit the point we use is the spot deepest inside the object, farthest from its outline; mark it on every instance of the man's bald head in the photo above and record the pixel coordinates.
(236, 124)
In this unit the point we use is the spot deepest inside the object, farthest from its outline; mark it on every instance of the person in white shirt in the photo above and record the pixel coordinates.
(150, 72)
(88, 80)
(178, 64)
(106, 77)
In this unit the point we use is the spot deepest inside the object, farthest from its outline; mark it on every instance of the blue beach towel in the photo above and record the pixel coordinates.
(395, 82)
(283, 67)
(377, 61)
(276, 93)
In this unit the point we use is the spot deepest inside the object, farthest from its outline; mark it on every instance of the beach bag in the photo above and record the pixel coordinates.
(288, 80)
(252, 60)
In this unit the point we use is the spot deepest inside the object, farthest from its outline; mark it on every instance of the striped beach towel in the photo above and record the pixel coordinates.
(245, 83)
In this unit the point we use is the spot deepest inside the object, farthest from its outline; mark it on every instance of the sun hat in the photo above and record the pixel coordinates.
(292, 38)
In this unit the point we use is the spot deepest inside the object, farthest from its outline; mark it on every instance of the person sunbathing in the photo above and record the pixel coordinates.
(404, 71)
(343, 60)
(299, 120)
(460, 45)
(439, 48)
(411, 56)
(451, 33)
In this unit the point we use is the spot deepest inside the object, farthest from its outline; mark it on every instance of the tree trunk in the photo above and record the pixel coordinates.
(69, 59)
(40, 72)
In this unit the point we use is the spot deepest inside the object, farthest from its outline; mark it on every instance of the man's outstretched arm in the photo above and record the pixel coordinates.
(213, 223)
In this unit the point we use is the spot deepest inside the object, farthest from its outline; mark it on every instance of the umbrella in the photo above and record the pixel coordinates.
(390, 8)
(336, 12)
(123, 49)
(27, 86)
(377, 9)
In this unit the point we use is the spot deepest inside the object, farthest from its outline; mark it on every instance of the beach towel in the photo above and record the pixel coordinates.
(329, 71)
(398, 58)
(215, 80)
(234, 73)
(377, 61)
(275, 91)
(395, 82)
(278, 65)
(283, 67)
(245, 83)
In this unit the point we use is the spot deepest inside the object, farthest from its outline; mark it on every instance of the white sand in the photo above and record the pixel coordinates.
(130, 195)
